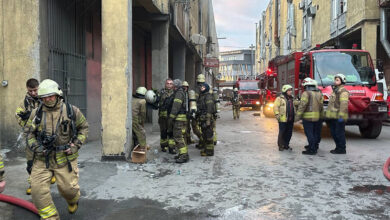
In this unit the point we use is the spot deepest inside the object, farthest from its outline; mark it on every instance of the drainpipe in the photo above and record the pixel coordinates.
(383, 32)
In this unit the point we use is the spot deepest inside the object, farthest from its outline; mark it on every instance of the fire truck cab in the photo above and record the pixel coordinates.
(248, 88)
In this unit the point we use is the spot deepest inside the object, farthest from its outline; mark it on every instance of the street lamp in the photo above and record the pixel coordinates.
(251, 47)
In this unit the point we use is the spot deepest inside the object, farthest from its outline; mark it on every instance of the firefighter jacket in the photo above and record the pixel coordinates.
(311, 106)
(284, 109)
(138, 106)
(338, 104)
(236, 99)
(24, 110)
(179, 107)
(166, 96)
(58, 127)
(206, 106)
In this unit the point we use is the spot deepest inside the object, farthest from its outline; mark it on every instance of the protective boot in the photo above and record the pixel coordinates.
(281, 148)
(287, 148)
(53, 180)
(72, 208)
(308, 152)
(172, 151)
(338, 151)
(164, 149)
(183, 158)
(207, 153)
(2, 186)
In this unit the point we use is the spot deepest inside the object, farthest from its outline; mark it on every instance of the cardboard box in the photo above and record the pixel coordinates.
(138, 155)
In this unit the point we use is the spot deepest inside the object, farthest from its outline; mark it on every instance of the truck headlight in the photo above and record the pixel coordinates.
(257, 103)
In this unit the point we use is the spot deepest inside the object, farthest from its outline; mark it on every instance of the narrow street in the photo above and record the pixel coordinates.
(248, 178)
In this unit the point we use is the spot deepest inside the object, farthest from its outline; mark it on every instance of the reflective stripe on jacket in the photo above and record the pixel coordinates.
(338, 104)
(311, 106)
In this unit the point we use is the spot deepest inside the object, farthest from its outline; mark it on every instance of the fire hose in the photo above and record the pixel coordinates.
(386, 169)
(19, 202)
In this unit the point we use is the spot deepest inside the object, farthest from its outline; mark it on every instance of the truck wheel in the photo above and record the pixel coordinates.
(372, 130)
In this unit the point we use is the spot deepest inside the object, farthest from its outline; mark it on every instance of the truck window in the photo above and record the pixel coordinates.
(354, 65)
(249, 85)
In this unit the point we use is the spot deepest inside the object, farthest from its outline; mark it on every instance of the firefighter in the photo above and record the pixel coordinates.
(138, 106)
(310, 110)
(200, 79)
(177, 121)
(236, 102)
(205, 105)
(285, 113)
(2, 180)
(337, 113)
(188, 137)
(22, 114)
(214, 93)
(56, 132)
(164, 102)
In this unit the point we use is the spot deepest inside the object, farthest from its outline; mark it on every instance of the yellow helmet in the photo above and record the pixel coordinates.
(185, 83)
(49, 87)
(201, 78)
(286, 87)
(141, 90)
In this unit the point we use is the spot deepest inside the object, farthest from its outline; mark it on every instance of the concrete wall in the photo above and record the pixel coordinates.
(20, 44)
(116, 77)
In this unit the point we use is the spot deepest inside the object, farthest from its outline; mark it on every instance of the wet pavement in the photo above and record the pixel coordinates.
(248, 178)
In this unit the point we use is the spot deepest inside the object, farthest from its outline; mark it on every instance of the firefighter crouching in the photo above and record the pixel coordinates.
(165, 97)
(205, 105)
(236, 99)
(177, 121)
(57, 131)
(285, 113)
(337, 113)
(310, 110)
(138, 106)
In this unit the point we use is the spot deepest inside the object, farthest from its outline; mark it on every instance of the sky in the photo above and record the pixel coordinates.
(235, 20)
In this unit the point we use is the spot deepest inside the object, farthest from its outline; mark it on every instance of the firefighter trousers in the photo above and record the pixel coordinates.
(285, 133)
(163, 122)
(236, 111)
(337, 130)
(139, 131)
(67, 183)
(179, 131)
(208, 137)
(196, 129)
(313, 133)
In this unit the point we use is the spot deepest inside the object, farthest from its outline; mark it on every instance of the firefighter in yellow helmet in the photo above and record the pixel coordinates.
(285, 112)
(138, 106)
(188, 137)
(310, 110)
(200, 79)
(337, 113)
(206, 109)
(57, 130)
(236, 102)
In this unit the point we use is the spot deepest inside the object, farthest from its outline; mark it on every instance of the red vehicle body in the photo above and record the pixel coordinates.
(366, 107)
(269, 88)
(250, 92)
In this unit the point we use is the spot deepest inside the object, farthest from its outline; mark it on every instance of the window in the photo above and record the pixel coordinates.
(304, 28)
(343, 6)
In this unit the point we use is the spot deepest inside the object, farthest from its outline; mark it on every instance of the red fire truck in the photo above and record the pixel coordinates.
(248, 88)
(366, 107)
(269, 88)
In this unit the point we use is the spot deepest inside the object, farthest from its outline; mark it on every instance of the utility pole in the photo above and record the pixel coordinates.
(252, 58)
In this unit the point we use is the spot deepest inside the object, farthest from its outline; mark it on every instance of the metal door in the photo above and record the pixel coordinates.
(67, 60)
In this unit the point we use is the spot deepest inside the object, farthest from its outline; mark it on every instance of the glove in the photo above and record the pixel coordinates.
(277, 117)
(341, 120)
(208, 122)
(170, 125)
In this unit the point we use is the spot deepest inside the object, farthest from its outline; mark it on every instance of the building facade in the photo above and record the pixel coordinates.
(100, 52)
(300, 25)
(234, 64)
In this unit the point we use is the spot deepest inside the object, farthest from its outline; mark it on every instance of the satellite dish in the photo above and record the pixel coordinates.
(198, 39)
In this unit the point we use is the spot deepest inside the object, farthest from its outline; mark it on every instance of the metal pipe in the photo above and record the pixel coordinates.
(383, 32)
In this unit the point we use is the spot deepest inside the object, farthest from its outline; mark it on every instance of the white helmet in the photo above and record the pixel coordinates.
(309, 82)
(341, 77)
(49, 87)
(150, 97)
(235, 90)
